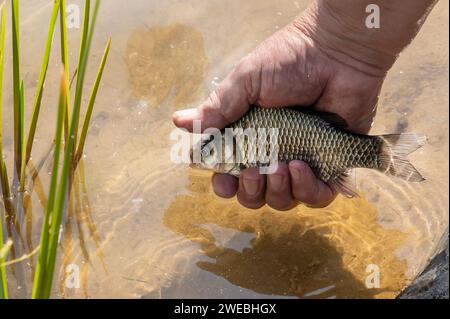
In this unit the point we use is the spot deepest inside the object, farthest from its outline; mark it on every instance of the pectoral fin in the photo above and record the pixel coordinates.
(345, 184)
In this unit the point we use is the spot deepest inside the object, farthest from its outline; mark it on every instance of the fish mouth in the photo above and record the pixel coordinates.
(198, 167)
(193, 164)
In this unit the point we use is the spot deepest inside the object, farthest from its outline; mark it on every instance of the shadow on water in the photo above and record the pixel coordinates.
(78, 228)
(303, 253)
(166, 62)
(296, 263)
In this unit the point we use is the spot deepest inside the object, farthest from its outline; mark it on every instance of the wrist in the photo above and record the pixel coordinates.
(338, 29)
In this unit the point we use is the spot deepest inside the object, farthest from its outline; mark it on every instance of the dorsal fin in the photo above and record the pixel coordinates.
(332, 118)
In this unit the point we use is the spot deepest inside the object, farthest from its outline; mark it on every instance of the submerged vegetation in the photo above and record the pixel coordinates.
(68, 145)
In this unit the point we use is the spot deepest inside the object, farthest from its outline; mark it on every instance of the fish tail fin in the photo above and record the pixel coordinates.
(395, 149)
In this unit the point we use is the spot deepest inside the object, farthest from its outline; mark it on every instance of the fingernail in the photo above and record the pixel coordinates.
(276, 181)
(251, 186)
(192, 113)
(295, 173)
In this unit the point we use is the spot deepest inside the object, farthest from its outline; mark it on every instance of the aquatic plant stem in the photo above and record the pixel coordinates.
(21, 175)
(50, 217)
(65, 61)
(41, 82)
(67, 168)
(2, 63)
(82, 57)
(58, 211)
(18, 129)
(3, 285)
(67, 125)
(3, 175)
(88, 33)
(90, 107)
(3, 171)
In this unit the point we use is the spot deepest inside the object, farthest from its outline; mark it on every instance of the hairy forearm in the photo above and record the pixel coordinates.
(339, 28)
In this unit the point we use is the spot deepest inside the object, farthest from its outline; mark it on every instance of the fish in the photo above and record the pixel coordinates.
(320, 139)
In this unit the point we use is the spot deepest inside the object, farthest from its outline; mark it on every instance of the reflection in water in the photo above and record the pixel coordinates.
(293, 253)
(79, 217)
(79, 213)
(166, 62)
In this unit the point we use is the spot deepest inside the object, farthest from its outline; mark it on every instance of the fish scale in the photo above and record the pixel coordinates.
(320, 140)
(328, 150)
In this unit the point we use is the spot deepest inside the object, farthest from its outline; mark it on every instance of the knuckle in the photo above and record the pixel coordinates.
(245, 67)
(214, 99)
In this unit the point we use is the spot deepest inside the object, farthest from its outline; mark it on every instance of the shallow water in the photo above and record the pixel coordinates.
(141, 226)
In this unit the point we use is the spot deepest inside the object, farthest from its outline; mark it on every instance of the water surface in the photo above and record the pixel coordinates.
(141, 226)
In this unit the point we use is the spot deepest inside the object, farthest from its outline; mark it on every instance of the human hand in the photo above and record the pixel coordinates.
(286, 69)
(298, 65)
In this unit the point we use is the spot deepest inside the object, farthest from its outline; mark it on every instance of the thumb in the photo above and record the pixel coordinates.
(224, 106)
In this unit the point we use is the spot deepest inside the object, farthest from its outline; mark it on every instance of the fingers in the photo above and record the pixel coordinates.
(281, 190)
(225, 185)
(278, 190)
(252, 188)
(307, 188)
(225, 105)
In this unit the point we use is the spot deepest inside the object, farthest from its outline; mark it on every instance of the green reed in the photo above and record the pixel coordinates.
(90, 107)
(52, 217)
(64, 61)
(3, 287)
(42, 76)
(67, 122)
(18, 124)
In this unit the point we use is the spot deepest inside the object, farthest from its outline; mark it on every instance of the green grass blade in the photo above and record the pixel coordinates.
(21, 124)
(5, 182)
(56, 218)
(92, 25)
(88, 31)
(2, 63)
(5, 249)
(3, 174)
(69, 151)
(50, 213)
(82, 62)
(42, 76)
(3, 285)
(90, 107)
(65, 60)
(16, 86)
(22, 108)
